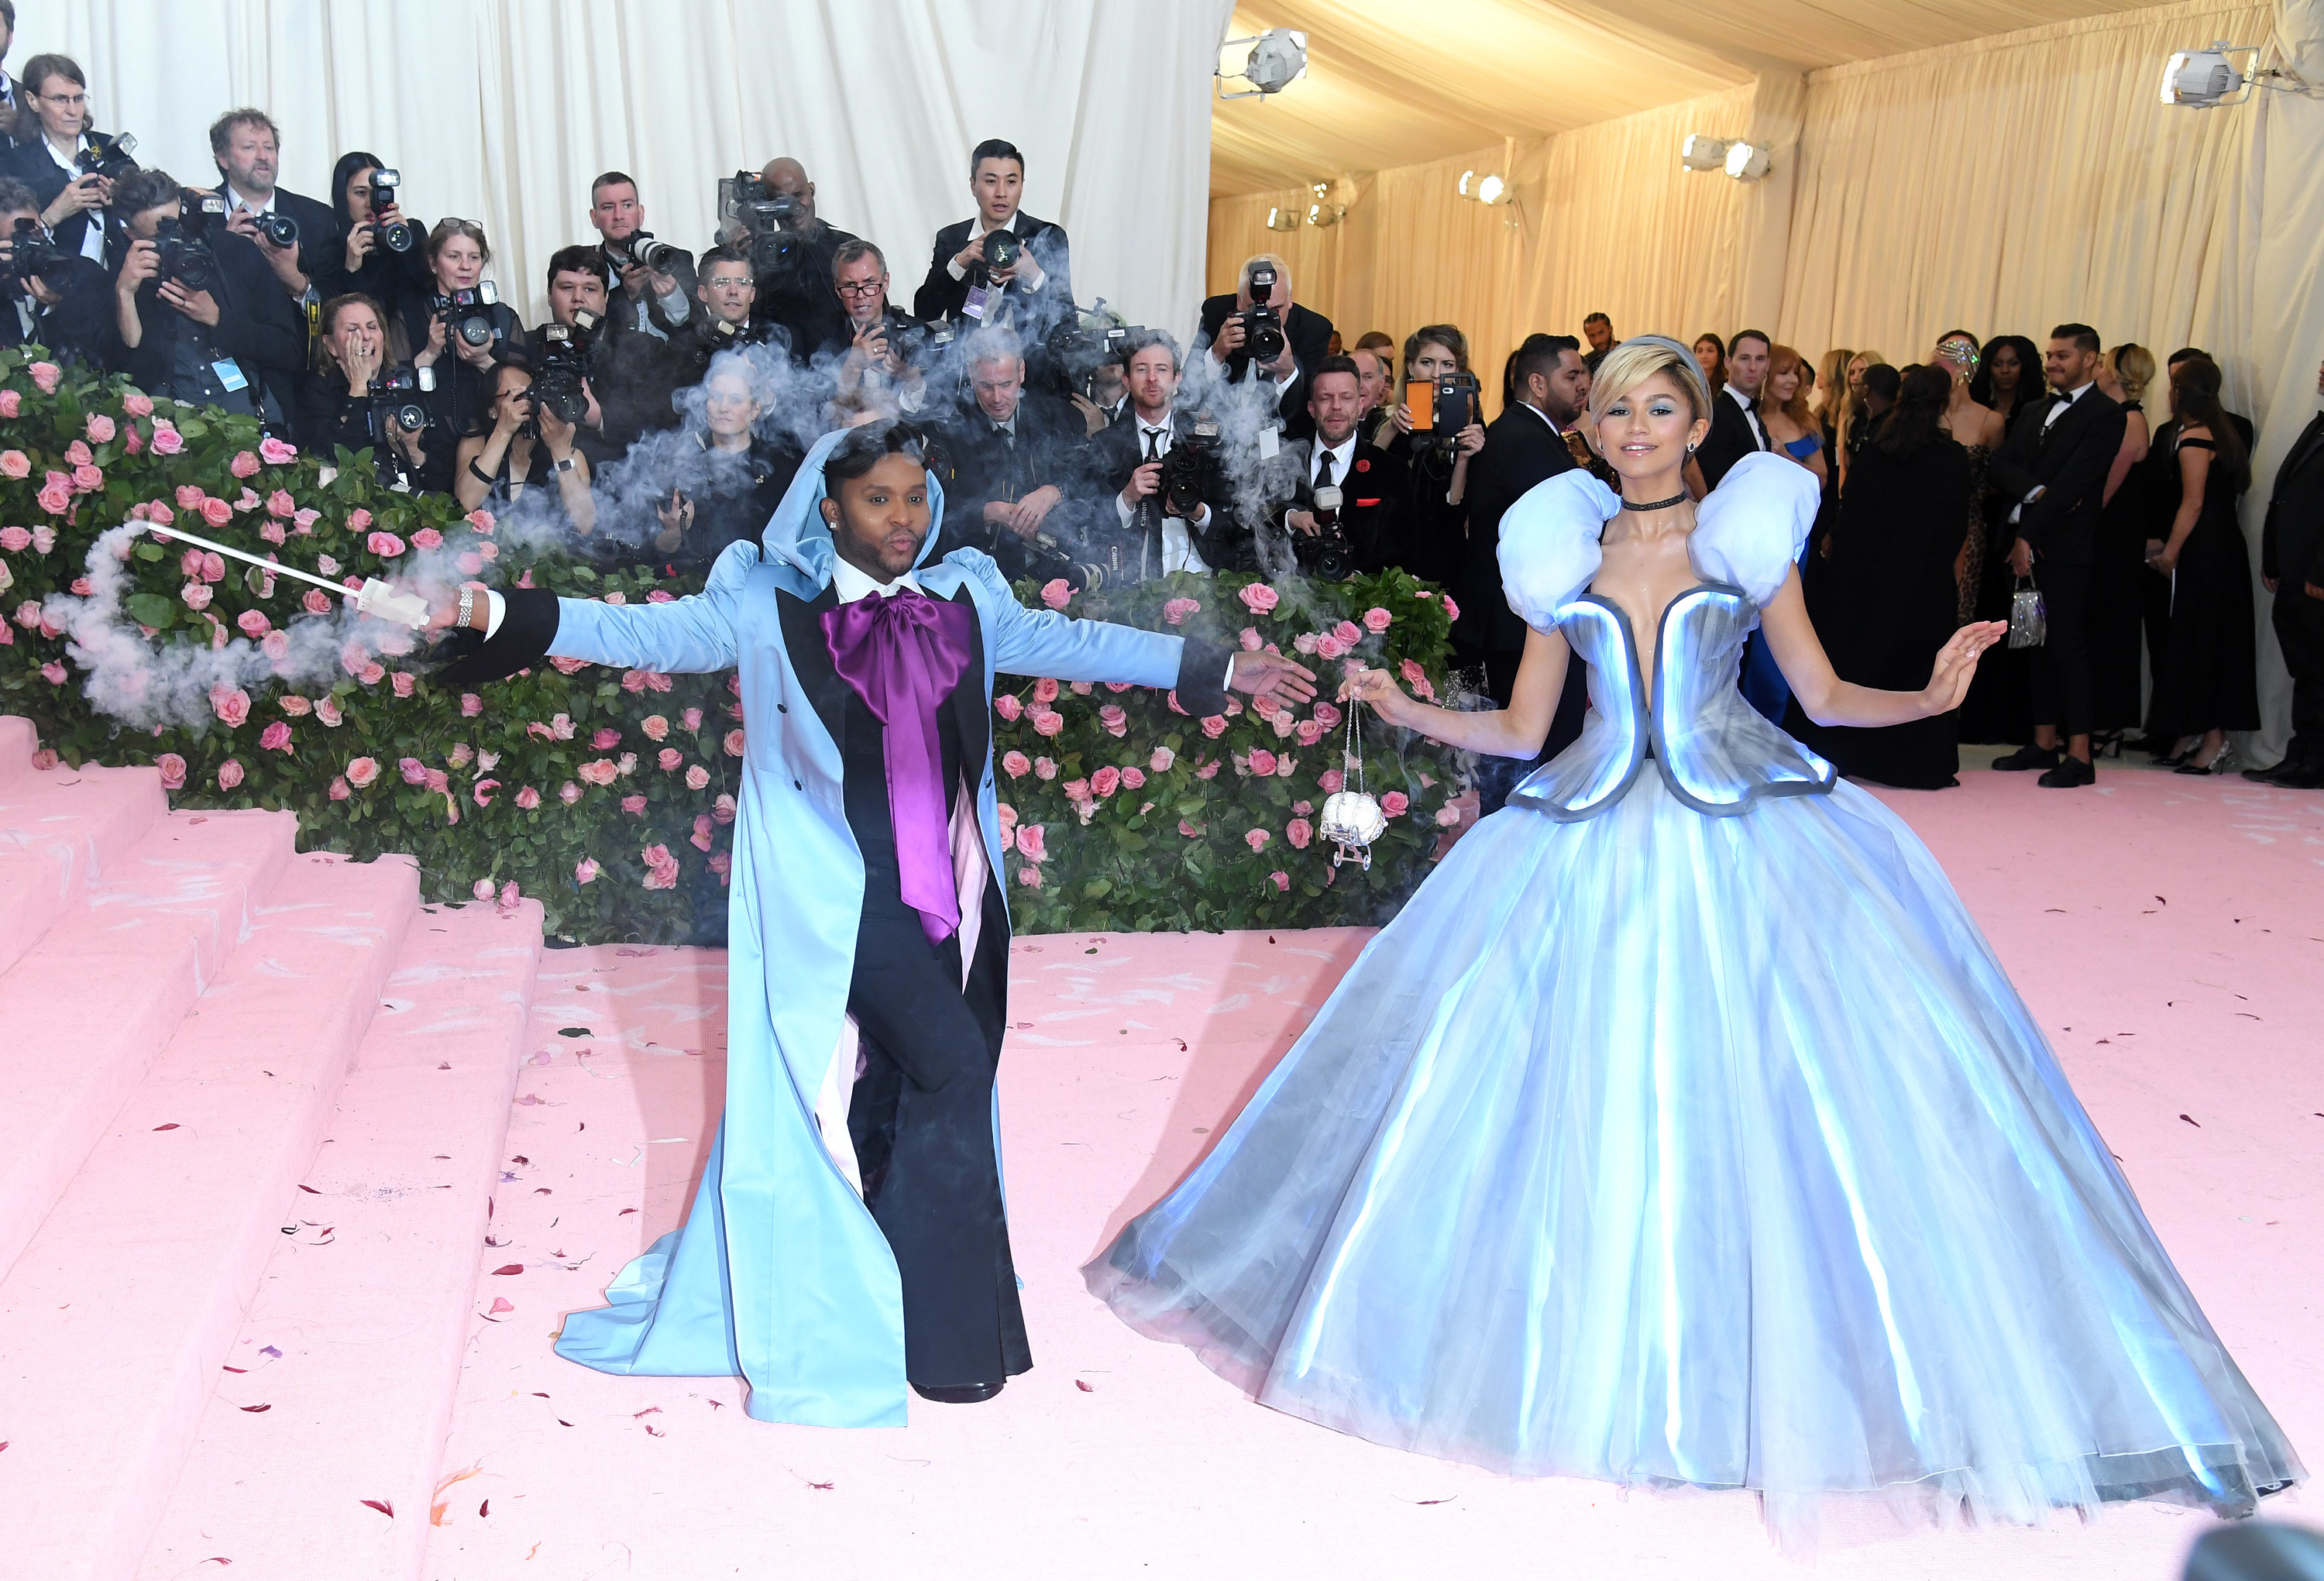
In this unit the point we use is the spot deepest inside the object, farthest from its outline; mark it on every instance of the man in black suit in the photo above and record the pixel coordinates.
(2055, 466)
(1306, 337)
(657, 301)
(1013, 461)
(248, 150)
(794, 264)
(1599, 330)
(1133, 524)
(1736, 430)
(1367, 483)
(879, 349)
(1033, 294)
(2291, 564)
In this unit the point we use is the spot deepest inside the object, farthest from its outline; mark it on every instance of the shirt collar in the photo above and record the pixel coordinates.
(1745, 401)
(852, 583)
(1009, 424)
(234, 199)
(2075, 394)
(1340, 455)
(63, 163)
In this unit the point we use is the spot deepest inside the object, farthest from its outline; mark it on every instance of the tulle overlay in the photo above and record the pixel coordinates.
(1674, 1150)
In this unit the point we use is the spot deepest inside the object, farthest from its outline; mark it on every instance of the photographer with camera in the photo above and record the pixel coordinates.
(649, 282)
(297, 236)
(459, 326)
(198, 315)
(726, 480)
(70, 169)
(1260, 333)
(1015, 460)
(1435, 427)
(603, 376)
(1004, 266)
(54, 297)
(1159, 467)
(771, 219)
(357, 399)
(880, 373)
(727, 289)
(1107, 399)
(382, 254)
(1343, 515)
(524, 450)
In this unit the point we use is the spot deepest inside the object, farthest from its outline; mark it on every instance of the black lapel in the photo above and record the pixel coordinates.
(811, 658)
(2307, 446)
(971, 709)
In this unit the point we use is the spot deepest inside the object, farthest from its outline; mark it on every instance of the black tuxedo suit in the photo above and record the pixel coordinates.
(2069, 461)
(1372, 495)
(1731, 438)
(1034, 313)
(983, 467)
(322, 240)
(2291, 550)
(1309, 336)
(1134, 551)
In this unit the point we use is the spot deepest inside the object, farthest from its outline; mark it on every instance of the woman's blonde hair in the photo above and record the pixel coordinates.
(2134, 366)
(1832, 384)
(1639, 359)
(1852, 413)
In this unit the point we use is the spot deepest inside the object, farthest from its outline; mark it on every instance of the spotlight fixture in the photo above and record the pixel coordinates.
(1747, 163)
(1700, 152)
(1321, 211)
(1282, 219)
(1277, 57)
(1490, 190)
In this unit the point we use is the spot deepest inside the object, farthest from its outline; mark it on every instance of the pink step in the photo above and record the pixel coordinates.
(115, 1318)
(156, 928)
(58, 830)
(355, 1346)
(18, 742)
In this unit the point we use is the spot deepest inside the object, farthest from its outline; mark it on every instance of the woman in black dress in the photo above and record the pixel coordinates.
(2118, 576)
(1434, 527)
(1887, 591)
(2209, 682)
(1999, 708)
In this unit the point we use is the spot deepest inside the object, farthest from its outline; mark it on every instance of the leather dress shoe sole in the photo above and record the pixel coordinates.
(2071, 774)
(957, 1394)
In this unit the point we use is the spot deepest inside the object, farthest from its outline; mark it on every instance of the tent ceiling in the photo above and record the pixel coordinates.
(1396, 84)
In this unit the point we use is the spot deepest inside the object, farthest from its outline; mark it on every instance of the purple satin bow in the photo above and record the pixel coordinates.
(904, 654)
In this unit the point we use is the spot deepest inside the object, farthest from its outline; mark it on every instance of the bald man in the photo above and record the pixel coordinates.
(795, 293)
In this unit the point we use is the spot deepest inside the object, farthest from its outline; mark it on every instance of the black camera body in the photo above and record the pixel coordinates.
(1325, 554)
(639, 249)
(557, 383)
(34, 252)
(183, 245)
(106, 156)
(1262, 325)
(1190, 469)
(395, 399)
(770, 218)
(1077, 351)
(468, 315)
(280, 229)
(397, 235)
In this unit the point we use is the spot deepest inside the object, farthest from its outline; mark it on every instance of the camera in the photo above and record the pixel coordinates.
(468, 315)
(1188, 470)
(1078, 348)
(183, 246)
(33, 251)
(394, 397)
(557, 383)
(106, 156)
(1441, 408)
(1002, 250)
(1262, 326)
(280, 229)
(1325, 554)
(397, 235)
(771, 219)
(641, 250)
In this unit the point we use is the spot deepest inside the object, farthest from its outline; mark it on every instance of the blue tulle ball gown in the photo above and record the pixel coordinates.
(1684, 1131)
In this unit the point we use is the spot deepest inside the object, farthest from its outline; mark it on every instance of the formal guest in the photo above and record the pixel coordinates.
(72, 204)
(1887, 599)
(2241, 424)
(1736, 430)
(1785, 413)
(2000, 705)
(2119, 575)
(2291, 565)
(2008, 378)
(2209, 681)
(1859, 412)
(1382, 344)
(369, 265)
(1152, 534)
(726, 480)
(1434, 521)
(1376, 368)
(877, 374)
(1598, 330)
(525, 452)
(340, 403)
(1831, 393)
(654, 302)
(1035, 292)
(1710, 351)
(17, 121)
(247, 149)
(1977, 430)
(1371, 484)
(2053, 469)
(1015, 456)
(794, 265)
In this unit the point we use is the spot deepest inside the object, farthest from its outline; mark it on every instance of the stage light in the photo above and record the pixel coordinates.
(1700, 152)
(2200, 79)
(1282, 219)
(1747, 163)
(1490, 189)
(1278, 59)
(1467, 180)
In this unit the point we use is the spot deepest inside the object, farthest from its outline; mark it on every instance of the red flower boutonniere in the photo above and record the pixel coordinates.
(1364, 466)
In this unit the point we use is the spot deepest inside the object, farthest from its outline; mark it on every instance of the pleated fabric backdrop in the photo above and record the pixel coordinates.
(502, 111)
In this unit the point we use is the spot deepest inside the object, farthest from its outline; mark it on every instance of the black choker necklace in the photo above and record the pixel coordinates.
(1680, 498)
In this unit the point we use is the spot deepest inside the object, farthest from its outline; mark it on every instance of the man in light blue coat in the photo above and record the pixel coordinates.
(849, 1235)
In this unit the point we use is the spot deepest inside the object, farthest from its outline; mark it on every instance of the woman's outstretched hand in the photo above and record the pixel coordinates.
(1379, 691)
(1955, 664)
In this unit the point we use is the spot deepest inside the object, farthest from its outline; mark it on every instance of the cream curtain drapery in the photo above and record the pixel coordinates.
(502, 110)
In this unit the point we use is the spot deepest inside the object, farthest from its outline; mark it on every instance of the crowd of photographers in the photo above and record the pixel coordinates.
(665, 405)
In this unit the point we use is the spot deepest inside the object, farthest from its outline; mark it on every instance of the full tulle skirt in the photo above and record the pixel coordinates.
(1674, 1150)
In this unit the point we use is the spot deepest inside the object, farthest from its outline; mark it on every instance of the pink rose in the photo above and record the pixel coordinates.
(1301, 809)
(481, 794)
(271, 532)
(254, 623)
(528, 798)
(733, 743)
(53, 673)
(462, 755)
(56, 495)
(1005, 815)
(173, 771)
(723, 809)
(1262, 763)
(1048, 722)
(216, 512)
(1280, 880)
(274, 738)
(1133, 778)
(27, 614)
(668, 759)
(15, 464)
(275, 452)
(137, 404)
(1257, 839)
(229, 774)
(1309, 732)
(1045, 768)
(87, 479)
(1250, 639)
(1176, 610)
(1326, 715)
(598, 771)
(697, 778)
(1214, 725)
(1396, 804)
(427, 538)
(100, 428)
(1329, 646)
(1258, 598)
(1162, 760)
(11, 403)
(167, 441)
(1077, 790)
(471, 705)
(213, 567)
(1032, 844)
(691, 719)
(482, 890)
(1208, 771)
(401, 682)
(296, 706)
(481, 520)
(470, 564)
(700, 838)
(414, 772)
(385, 545)
(1016, 765)
(1448, 816)
(1045, 691)
(1191, 831)
(1331, 780)
(1106, 780)
(1116, 722)
(231, 706)
(189, 498)
(1452, 609)
(1304, 643)
(586, 870)
(1056, 594)
(656, 727)
(605, 739)
(45, 375)
(1007, 706)
(245, 465)
(1376, 620)
(327, 711)
(568, 793)
(339, 791)
(14, 539)
(1030, 876)
(1299, 831)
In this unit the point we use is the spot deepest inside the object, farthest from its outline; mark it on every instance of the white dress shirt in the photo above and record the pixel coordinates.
(1029, 268)
(92, 241)
(1178, 553)
(1750, 406)
(2057, 409)
(1342, 456)
(852, 583)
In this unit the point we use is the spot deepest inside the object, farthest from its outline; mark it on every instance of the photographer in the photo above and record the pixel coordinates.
(70, 167)
(727, 480)
(382, 254)
(198, 315)
(459, 326)
(1108, 401)
(1166, 516)
(348, 403)
(1343, 514)
(521, 453)
(297, 236)
(1014, 458)
(609, 376)
(1022, 281)
(1260, 333)
(792, 251)
(1438, 459)
(54, 299)
(878, 374)
(649, 282)
(727, 289)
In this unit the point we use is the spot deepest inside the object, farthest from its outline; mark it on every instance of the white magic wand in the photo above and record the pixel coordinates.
(374, 598)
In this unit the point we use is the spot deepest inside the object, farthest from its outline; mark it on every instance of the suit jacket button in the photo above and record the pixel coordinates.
(797, 785)
(782, 708)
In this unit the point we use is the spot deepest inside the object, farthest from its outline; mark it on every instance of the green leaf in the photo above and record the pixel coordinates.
(151, 609)
(151, 553)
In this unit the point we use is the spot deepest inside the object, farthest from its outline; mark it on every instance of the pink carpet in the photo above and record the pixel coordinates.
(2170, 932)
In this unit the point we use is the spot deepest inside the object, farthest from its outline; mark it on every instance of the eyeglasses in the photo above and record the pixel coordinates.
(862, 288)
(66, 100)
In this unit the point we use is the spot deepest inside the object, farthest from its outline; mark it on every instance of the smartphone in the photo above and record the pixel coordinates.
(1420, 399)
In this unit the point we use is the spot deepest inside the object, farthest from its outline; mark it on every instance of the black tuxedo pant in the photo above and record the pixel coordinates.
(2064, 694)
(2298, 622)
(921, 1120)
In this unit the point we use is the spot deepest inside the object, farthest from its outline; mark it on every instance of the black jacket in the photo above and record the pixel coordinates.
(1521, 449)
(259, 327)
(1730, 440)
(1034, 313)
(2068, 461)
(76, 329)
(30, 164)
(322, 243)
(795, 294)
(1309, 335)
(2292, 543)
(981, 467)
(625, 308)
(1372, 500)
(1116, 451)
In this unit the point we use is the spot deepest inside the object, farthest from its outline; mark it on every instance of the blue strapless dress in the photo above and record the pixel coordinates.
(1684, 1130)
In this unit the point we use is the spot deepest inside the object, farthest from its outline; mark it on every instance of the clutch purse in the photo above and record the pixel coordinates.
(2029, 617)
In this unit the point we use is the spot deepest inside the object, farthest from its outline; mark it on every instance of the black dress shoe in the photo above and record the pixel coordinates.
(2070, 774)
(2289, 775)
(2029, 756)
(957, 1394)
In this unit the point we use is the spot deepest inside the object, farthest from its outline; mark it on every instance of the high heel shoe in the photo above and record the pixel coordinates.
(2222, 761)
(2106, 744)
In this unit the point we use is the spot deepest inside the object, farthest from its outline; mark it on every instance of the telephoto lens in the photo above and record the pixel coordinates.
(1001, 250)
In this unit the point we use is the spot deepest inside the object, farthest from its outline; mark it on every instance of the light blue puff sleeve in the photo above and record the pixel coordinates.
(1549, 543)
(1750, 528)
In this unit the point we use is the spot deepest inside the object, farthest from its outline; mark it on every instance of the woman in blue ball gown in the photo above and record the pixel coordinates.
(1684, 1131)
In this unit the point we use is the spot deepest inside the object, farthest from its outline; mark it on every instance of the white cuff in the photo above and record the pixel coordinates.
(1201, 518)
(497, 608)
(674, 307)
(953, 268)
(1122, 509)
(2013, 511)
(1033, 281)
(1228, 683)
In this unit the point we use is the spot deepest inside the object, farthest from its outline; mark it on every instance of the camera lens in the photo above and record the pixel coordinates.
(410, 416)
(279, 228)
(1001, 250)
(398, 237)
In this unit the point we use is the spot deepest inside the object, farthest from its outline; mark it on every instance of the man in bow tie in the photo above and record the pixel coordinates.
(848, 1234)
